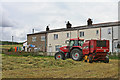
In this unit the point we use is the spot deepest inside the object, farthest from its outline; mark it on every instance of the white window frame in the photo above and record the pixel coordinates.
(109, 31)
(97, 32)
(82, 34)
(57, 47)
(34, 39)
(55, 36)
(42, 38)
(68, 35)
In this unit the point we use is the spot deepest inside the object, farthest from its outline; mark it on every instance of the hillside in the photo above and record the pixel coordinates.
(9, 43)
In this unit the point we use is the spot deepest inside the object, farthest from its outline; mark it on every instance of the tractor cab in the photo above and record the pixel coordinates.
(72, 43)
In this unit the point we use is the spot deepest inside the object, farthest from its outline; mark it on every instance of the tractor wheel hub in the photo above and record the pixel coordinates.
(58, 56)
(75, 55)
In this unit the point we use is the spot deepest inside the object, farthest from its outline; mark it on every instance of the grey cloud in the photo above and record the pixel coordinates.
(6, 23)
(6, 34)
(39, 15)
(119, 10)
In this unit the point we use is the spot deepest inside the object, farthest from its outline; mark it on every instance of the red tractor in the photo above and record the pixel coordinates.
(90, 50)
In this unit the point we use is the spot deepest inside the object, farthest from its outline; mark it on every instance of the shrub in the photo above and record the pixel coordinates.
(11, 49)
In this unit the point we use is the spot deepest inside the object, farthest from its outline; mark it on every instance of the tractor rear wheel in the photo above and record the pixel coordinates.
(59, 55)
(76, 54)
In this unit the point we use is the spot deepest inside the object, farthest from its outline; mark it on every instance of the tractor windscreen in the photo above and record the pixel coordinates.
(80, 42)
(101, 44)
(76, 43)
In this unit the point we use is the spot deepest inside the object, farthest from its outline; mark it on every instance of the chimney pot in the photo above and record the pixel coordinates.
(89, 22)
(68, 25)
(47, 28)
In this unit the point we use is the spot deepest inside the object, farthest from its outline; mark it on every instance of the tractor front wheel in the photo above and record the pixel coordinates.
(59, 55)
(76, 54)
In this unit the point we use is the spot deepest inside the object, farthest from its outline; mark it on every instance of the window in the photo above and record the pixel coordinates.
(57, 47)
(33, 39)
(72, 43)
(109, 31)
(97, 32)
(68, 35)
(81, 34)
(86, 47)
(80, 42)
(101, 44)
(42, 38)
(118, 45)
(55, 36)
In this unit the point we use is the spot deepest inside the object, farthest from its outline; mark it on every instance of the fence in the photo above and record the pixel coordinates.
(47, 53)
(117, 50)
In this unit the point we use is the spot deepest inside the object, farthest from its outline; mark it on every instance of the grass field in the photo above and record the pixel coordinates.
(9, 46)
(48, 67)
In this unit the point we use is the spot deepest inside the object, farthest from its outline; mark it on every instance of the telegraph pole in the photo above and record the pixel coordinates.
(12, 40)
(112, 40)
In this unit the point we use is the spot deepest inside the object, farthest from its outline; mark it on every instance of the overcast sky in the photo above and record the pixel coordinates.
(19, 17)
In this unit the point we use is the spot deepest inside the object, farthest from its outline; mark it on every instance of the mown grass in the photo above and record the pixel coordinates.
(31, 62)
(48, 67)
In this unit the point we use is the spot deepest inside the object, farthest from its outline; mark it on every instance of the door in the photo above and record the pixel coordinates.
(50, 50)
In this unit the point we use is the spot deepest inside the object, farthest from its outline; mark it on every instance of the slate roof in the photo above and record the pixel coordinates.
(108, 24)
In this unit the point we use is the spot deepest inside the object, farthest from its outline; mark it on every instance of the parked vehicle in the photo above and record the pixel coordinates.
(90, 50)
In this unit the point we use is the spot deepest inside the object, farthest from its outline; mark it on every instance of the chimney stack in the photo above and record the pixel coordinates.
(47, 28)
(89, 22)
(68, 25)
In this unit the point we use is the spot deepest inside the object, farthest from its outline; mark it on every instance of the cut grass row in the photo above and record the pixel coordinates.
(33, 62)
(25, 54)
